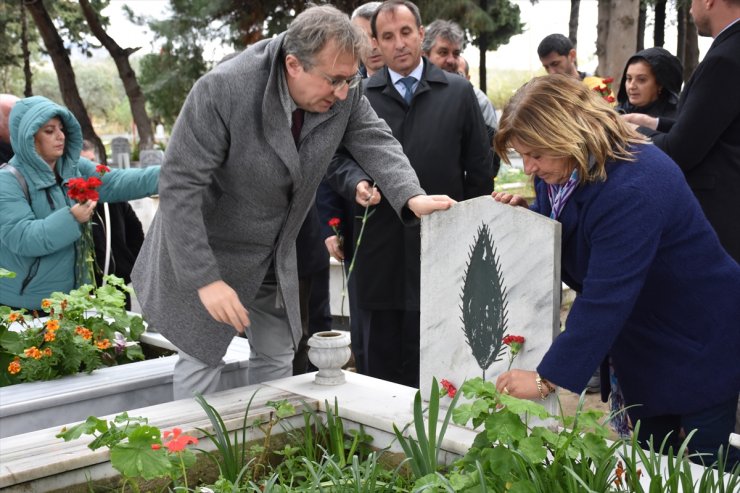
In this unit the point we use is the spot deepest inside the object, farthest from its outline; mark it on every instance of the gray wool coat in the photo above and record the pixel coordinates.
(234, 192)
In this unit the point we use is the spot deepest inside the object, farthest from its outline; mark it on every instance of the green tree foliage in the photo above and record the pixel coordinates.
(167, 77)
(498, 20)
(11, 51)
(488, 23)
(483, 301)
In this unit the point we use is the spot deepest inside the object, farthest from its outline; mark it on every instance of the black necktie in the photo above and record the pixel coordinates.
(295, 128)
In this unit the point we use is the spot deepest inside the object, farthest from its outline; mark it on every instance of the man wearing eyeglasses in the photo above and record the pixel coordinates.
(436, 117)
(249, 148)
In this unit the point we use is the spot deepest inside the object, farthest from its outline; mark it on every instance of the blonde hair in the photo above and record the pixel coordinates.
(558, 115)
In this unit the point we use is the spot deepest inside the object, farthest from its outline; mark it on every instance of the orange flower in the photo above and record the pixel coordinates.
(104, 344)
(85, 333)
(52, 325)
(47, 351)
(50, 336)
(13, 316)
(14, 367)
(46, 304)
(32, 352)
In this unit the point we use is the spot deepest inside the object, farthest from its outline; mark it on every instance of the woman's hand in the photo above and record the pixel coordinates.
(641, 120)
(83, 212)
(521, 384)
(511, 199)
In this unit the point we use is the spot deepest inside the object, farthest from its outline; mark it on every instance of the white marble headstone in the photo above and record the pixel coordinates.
(526, 248)
(151, 157)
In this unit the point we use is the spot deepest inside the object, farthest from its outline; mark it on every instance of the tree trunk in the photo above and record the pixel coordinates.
(659, 29)
(641, 20)
(575, 7)
(27, 74)
(136, 98)
(63, 67)
(482, 44)
(691, 48)
(681, 31)
(617, 35)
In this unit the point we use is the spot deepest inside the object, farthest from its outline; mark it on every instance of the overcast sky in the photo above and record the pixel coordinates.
(541, 19)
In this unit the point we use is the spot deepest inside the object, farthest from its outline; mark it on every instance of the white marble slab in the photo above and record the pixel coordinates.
(377, 405)
(527, 247)
(36, 405)
(39, 462)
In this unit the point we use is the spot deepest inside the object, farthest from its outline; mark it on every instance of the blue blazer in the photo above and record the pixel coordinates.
(657, 292)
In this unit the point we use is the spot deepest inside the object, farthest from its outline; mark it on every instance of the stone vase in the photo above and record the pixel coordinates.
(329, 351)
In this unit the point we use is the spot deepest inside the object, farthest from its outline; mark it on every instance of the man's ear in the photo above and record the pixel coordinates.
(421, 32)
(572, 54)
(292, 65)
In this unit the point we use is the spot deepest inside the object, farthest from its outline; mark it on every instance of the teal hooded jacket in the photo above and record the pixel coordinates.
(38, 240)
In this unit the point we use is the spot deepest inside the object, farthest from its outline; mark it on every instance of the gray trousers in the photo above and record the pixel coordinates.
(271, 349)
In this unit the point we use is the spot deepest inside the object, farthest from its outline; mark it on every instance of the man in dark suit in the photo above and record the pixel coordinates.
(436, 117)
(704, 139)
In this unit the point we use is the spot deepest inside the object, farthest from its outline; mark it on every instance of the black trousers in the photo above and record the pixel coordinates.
(713, 426)
(393, 346)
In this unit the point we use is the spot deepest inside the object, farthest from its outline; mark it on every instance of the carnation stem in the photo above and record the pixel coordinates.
(359, 236)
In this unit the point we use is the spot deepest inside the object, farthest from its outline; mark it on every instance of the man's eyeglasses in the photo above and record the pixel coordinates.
(352, 82)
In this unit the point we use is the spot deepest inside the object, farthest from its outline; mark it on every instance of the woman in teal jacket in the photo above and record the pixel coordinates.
(40, 226)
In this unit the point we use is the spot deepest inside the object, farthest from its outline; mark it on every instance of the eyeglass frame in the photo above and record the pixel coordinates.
(337, 84)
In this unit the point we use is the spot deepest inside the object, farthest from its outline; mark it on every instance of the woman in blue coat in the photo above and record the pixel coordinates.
(40, 225)
(657, 303)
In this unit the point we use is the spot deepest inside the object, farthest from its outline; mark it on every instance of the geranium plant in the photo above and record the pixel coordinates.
(86, 329)
(137, 449)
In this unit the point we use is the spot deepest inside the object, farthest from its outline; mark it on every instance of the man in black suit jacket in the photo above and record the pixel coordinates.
(440, 126)
(705, 137)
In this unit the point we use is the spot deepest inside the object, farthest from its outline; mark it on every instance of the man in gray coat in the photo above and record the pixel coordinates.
(249, 148)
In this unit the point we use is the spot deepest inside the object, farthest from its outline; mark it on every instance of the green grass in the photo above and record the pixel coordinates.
(509, 177)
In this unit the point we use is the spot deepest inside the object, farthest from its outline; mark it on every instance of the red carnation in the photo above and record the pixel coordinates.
(334, 222)
(448, 387)
(515, 344)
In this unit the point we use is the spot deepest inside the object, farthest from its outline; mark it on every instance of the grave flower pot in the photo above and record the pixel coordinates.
(329, 351)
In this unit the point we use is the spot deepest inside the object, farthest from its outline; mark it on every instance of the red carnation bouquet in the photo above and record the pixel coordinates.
(81, 190)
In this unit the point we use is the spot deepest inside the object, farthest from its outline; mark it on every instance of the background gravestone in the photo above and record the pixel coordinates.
(495, 269)
(120, 152)
(151, 157)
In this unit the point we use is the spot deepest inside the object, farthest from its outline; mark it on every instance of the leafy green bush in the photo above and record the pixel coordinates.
(86, 329)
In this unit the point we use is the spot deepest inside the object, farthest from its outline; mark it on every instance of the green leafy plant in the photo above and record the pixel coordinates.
(235, 459)
(136, 448)
(423, 451)
(86, 329)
